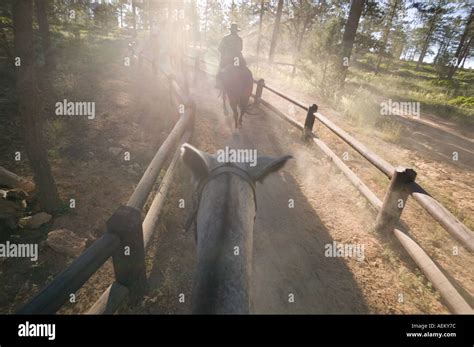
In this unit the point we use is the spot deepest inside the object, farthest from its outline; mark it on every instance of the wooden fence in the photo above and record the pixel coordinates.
(402, 184)
(127, 236)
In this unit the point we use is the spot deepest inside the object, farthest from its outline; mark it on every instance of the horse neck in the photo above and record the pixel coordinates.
(224, 246)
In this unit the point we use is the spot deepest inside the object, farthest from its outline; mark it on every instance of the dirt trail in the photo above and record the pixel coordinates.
(426, 146)
(289, 243)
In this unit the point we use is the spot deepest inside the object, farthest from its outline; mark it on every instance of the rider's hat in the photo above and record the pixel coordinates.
(234, 27)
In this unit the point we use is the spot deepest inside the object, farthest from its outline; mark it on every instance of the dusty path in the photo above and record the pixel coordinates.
(427, 145)
(289, 243)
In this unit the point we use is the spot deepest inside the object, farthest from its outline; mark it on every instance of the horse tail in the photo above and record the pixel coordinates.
(247, 80)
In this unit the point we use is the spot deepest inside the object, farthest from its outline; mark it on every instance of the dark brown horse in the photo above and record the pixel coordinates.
(237, 82)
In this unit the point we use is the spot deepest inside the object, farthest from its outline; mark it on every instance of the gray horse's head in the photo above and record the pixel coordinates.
(224, 226)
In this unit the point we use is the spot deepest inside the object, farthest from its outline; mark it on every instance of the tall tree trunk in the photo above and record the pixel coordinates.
(385, 36)
(29, 106)
(428, 38)
(466, 53)
(121, 15)
(43, 25)
(457, 55)
(446, 46)
(423, 51)
(349, 36)
(441, 48)
(148, 15)
(134, 10)
(465, 50)
(260, 23)
(206, 23)
(300, 36)
(405, 53)
(276, 29)
(233, 15)
(298, 45)
(323, 79)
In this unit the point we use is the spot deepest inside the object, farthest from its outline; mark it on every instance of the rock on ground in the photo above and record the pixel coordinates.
(66, 242)
(35, 221)
(16, 195)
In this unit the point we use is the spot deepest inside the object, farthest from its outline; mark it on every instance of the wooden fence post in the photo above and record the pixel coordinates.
(129, 259)
(395, 199)
(309, 122)
(259, 91)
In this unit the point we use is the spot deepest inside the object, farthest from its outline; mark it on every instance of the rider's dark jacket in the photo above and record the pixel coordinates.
(229, 48)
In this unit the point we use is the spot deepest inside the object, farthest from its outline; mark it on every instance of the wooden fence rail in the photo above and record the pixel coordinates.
(452, 225)
(116, 293)
(402, 184)
(389, 213)
(57, 293)
(127, 237)
(140, 195)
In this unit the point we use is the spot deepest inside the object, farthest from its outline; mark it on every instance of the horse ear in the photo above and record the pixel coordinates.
(267, 165)
(196, 160)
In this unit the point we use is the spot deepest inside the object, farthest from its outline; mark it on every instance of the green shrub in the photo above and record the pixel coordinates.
(462, 101)
(445, 83)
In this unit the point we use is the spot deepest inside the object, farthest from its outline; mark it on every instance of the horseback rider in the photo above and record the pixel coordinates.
(230, 49)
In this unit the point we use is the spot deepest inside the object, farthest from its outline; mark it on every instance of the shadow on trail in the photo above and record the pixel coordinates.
(289, 243)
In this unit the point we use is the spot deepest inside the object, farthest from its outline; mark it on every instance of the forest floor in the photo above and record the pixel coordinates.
(132, 113)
